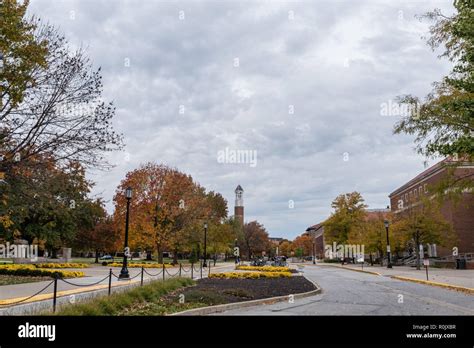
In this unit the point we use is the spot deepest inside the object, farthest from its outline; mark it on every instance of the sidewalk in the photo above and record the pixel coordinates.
(94, 274)
(464, 278)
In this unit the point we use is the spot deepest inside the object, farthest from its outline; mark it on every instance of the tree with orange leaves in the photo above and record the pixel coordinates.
(168, 209)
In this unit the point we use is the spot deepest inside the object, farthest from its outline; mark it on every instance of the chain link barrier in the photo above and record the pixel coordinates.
(109, 277)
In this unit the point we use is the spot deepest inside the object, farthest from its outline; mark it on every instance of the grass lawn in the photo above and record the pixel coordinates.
(10, 279)
(151, 299)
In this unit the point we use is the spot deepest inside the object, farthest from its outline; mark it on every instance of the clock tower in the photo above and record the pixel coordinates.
(239, 205)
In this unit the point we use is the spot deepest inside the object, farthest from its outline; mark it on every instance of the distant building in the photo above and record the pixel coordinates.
(316, 232)
(275, 240)
(460, 215)
(377, 214)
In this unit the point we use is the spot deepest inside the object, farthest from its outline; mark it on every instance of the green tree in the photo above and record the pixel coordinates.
(443, 123)
(20, 53)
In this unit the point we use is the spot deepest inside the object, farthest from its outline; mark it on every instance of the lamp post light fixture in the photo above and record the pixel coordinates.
(126, 250)
(389, 259)
(205, 245)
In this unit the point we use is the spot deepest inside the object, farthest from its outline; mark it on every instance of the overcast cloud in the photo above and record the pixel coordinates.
(300, 83)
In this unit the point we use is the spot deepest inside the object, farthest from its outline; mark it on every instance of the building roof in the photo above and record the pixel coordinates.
(239, 188)
(441, 165)
(314, 227)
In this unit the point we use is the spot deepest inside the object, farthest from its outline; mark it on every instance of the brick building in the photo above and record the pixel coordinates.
(316, 232)
(459, 214)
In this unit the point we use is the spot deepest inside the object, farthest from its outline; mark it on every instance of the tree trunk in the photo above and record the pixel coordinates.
(175, 257)
(371, 259)
(97, 256)
(160, 253)
(417, 249)
(148, 255)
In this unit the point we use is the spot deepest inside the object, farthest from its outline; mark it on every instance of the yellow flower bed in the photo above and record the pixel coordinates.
(61, 265)
(263, 268)
(250, 275)
(33, 271)
(140, 265)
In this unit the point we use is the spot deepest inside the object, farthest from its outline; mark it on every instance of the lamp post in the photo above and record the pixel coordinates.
(314, 252)
(389, 261)
(205, 245)
(235, 246)
(126, 251)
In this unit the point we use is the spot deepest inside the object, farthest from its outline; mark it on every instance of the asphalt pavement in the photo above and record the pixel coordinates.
(345, 292)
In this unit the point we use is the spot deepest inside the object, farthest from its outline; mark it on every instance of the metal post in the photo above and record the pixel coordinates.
(141, 280)
(124, 272)
(110, 280)
(180, 270)
(201, 269)
(209, 270)
(55, 292)
(389, 259)
(426, 272)
(192, 270)
(163, 271)
(205, 244)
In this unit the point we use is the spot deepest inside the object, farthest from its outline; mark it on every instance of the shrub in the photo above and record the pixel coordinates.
(61, 265)
(263, 268)
(140, 265)
(33, 271)
(250, 275)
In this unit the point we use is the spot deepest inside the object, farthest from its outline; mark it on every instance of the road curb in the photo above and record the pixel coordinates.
(469, 291)
(238, 305)
(353, 269)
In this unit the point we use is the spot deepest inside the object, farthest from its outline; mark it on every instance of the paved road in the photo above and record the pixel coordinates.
(346, 292)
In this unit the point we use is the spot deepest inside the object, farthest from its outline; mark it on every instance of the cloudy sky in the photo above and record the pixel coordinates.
(301, 85)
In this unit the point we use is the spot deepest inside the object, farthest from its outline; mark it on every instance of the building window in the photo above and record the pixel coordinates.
(419, 191)
(426, 188)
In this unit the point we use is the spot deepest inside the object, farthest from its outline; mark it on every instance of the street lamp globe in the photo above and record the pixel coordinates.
(386, 223)
(128, 192)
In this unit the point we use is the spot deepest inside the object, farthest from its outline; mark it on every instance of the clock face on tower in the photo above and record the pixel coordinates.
(239, 201)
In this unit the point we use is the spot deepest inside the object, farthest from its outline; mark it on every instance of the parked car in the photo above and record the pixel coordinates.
(106, 259)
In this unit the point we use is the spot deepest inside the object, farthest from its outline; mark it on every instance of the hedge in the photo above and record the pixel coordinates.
(33, 271)
(263, 268)
(139, 265)
(250, 275)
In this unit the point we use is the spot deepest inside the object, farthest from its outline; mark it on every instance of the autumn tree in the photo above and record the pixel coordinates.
(305, 244)
(254, 239)
(97, 232)
(421, 224)
(349, 211)
(285, 248)
(169, 209)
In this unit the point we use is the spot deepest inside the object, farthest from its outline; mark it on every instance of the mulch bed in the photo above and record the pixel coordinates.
(214, 291)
